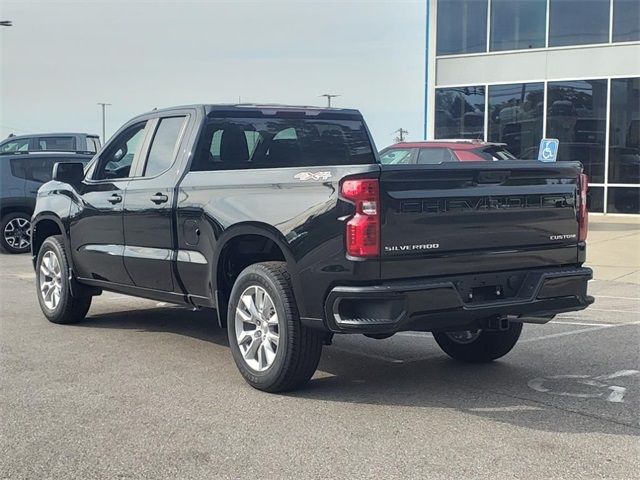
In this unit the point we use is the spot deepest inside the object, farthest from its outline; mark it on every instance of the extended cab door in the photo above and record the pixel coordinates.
(148, 208)
(96, 230)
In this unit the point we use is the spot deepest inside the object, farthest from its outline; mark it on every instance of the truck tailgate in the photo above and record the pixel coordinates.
(477, 217)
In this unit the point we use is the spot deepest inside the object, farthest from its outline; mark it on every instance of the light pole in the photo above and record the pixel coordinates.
(104, 107)
(329, 97)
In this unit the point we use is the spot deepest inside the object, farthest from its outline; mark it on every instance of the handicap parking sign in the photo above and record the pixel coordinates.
(548, 150)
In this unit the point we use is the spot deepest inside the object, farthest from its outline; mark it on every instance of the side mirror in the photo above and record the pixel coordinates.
(69, 172)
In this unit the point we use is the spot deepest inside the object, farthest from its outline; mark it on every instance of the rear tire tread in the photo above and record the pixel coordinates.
(304, 344)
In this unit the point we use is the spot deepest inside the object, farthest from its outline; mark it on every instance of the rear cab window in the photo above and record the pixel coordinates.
(263, 142)
(59, 144)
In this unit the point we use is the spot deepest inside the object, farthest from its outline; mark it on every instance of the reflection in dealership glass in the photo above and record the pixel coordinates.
(515, 117)
(576, 116)
(460, 112)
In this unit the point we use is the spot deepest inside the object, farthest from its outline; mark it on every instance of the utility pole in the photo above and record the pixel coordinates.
(104, 128)
(401, 135)
(329, 97)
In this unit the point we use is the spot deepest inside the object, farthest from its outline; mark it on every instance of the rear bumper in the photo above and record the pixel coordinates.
(458, 302)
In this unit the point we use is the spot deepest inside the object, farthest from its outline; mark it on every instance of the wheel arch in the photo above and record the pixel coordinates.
(274, 248)
(45, 225)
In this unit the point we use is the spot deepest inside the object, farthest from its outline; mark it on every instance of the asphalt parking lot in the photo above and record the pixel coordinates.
(146, 390)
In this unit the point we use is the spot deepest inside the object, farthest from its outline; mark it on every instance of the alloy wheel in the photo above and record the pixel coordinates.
(17, 233)
(257, 328)
(50, 280)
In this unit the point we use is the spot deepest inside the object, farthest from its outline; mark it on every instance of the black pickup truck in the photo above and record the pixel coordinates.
(283, 220)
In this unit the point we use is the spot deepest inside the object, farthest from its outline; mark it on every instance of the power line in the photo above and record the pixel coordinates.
(401, 135)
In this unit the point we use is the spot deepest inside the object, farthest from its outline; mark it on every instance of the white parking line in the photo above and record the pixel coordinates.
(584, 324)
(617, 298)
(591, 309)
(575, 332)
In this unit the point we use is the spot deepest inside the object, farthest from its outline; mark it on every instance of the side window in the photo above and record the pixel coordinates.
(163, 147)
(19, 168)
(21, 145)
(397, 156)
(60, 144)
(41, 169)
(116, 161)
(433, 156)
(280, 142)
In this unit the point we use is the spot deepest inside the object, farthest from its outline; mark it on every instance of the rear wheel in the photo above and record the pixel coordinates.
(16, 232)
(479, 346)
(272, 349)
(54, 290)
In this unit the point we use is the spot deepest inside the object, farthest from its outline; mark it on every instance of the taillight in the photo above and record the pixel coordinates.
(583, 214)
(363, 228)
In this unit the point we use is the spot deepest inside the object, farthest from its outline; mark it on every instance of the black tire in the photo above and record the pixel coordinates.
(69, 309)
(299, 348)
(22, 236)
(488, 346)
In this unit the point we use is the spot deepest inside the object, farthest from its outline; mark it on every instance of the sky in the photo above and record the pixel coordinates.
(62, 57)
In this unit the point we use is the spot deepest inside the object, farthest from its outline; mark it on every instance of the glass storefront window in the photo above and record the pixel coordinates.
(460, 112)
(624, 131)
(595, 199)
(576, 115)
(626, 20)
(462, 26)
(623, 200)
(517, 25)
(578, 22)
(515, 117)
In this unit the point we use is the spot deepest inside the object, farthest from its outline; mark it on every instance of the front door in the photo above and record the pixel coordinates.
(97, 235)
(148, 208)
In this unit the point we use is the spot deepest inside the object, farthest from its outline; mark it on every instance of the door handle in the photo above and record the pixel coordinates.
(115, 198)
(159, 198)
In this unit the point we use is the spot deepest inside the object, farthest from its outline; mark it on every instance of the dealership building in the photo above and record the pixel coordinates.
(516, 71)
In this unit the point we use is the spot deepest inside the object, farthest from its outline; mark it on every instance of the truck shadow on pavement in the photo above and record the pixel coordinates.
(496, 391)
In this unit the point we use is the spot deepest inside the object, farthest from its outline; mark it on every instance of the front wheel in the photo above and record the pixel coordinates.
(54, 290)
(479, 346)
(272, 349)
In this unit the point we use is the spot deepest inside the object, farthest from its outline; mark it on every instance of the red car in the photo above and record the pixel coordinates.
(440, 151)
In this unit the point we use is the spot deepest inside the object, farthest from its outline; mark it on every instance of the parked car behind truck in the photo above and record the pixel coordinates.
(20, 177)
(283, 221)
(51, 142)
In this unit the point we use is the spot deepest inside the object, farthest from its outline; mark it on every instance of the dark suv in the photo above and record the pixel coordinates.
(20, 177)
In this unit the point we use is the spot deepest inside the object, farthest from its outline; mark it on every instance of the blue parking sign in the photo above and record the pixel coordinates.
(548, 150)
